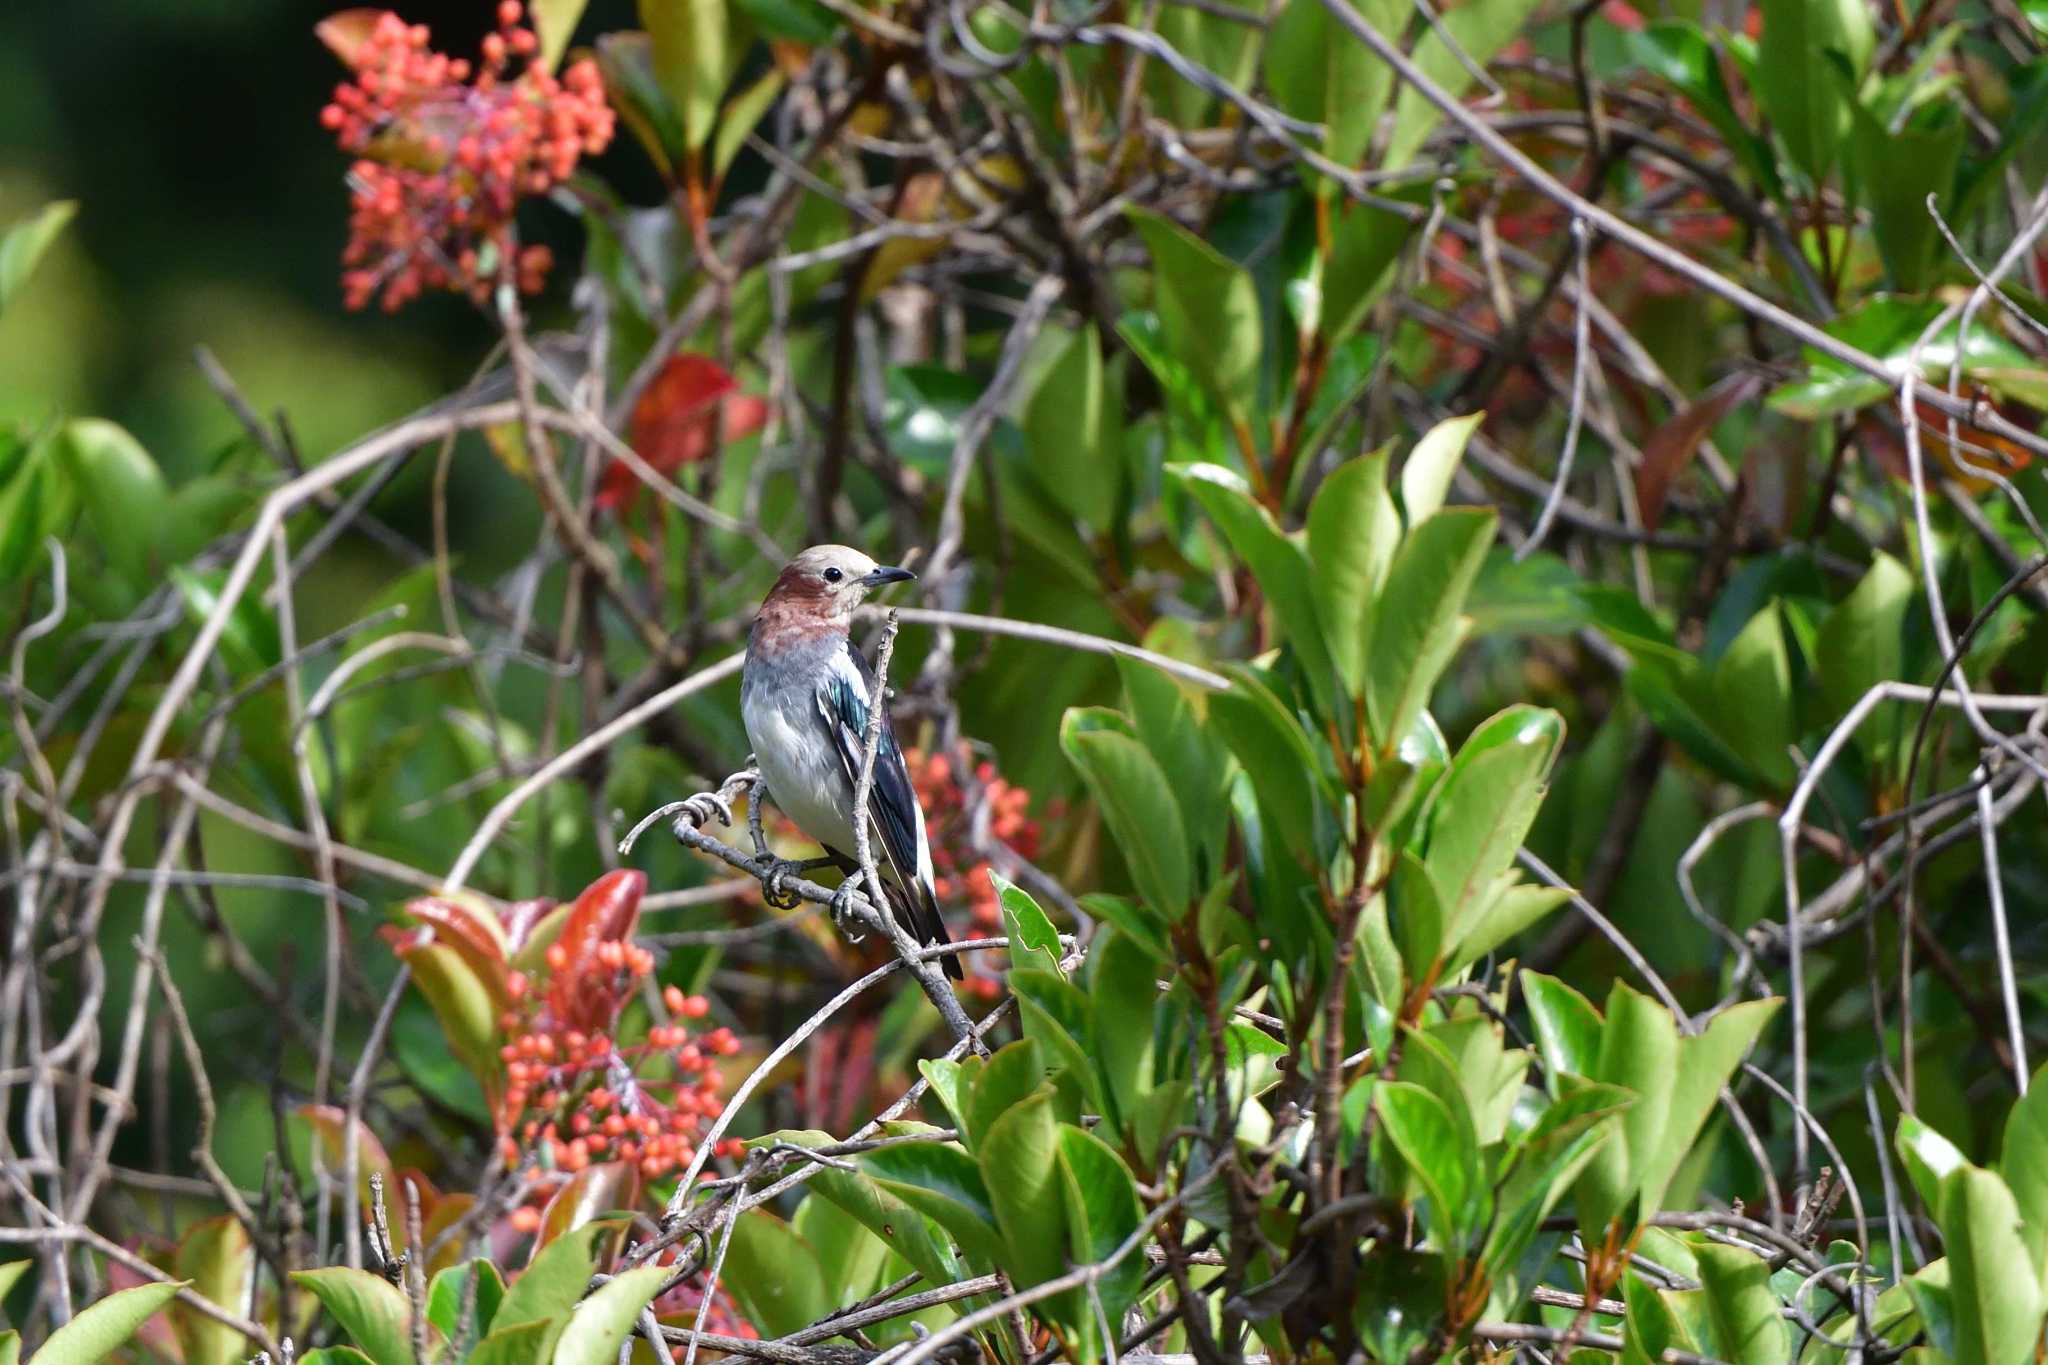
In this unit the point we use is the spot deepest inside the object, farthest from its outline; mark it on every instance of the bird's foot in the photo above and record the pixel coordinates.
(698, 811)
(775, 874)
(841, 906)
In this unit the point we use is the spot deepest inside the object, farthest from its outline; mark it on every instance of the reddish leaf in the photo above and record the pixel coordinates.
(346, 31)
(327, 1123)
(589, 1195)
(605, 913)
(1666, 454)
(468, 927)
(674, 421)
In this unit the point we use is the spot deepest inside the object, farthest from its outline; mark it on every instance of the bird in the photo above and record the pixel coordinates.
(804, 700)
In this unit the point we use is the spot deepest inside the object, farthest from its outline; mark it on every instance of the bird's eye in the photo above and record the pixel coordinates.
(833, 575)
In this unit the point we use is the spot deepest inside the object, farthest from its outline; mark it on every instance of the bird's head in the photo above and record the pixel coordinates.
(831, 580)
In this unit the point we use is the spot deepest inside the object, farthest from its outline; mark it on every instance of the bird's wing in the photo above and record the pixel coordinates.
(892, 805)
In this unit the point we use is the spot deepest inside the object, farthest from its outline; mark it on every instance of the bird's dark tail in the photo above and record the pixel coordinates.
(918, 912)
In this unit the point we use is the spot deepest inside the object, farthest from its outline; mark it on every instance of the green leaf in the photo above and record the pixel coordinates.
(1066, 425)
(1484, 810)
(344, 1355)
(1796, 78)
(692, 59)
(1748, 1326)
(1476, 32)
(1056, 1015)
(1317, 71)
(526, 1344)
(1426, 477)
(1651, 1328)
(1929, 1159)
(1888, 327)
(942, 1181)
(802, 21)
(1353, 531)
(775, 1273)
(450, 1288)
(601, 1323)
(1511, 907)
(1277, 756)
(1418, 627)
(1678, 51)
(1707, 1061)
(1210, 312)
(36, 501)
(1102, 1213)
(2023, 1163)
(1638, 1050)
(742, 112)
(1033, 940)
(1021, 1150)
(1568, 1029)
(1895, 174)
(1013, 1074)
(121, 492)
(249, 639)
(1163, 713)
(1996, 1294)
(554, 22)
(216, 1258)
(555, 1281)
(1860, 642)
(901, 1228)
(105, 1327)
(635, 91)
(1143, 815)
(1123, 993)
(24, 243)
(369, 1308)
(1753, 694)
(850, 1257)
(10, 1348)
(1441, 1151)
(1416, 914)
(1277, 563)
(463, 1005)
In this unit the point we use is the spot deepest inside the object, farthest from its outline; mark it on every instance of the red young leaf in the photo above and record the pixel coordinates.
(1666, 454)
(605, 913)
(673, 422)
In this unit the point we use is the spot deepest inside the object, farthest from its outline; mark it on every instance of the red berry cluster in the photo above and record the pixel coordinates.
(446, 152)
(959, 869)
(578, 1095)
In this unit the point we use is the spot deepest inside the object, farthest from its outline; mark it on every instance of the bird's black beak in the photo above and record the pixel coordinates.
(888, 573)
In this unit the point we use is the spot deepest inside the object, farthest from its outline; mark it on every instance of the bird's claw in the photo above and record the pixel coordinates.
(775, 873)
(841, 906)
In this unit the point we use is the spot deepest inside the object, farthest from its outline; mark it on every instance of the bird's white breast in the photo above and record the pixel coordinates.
(802, 768)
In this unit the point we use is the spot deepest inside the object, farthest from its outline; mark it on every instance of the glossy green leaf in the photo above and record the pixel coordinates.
(1418, 628)
(1753, 694)
(1568, 1028)
(447, 1294)
(943, 1182)
(1484, 810)
(554, 22)
(1651, 1327)
(1277, 562)
(555, 1281)
(635, 92)
(692, 59)
(1143, 814)
(1318, 71)
(528, 1343)
(1860, 643)
(1123, 992)
(1020, 1151)
(1679, 51)
(1033, 940)
(1066, 425)
(2023, 1165)
(1102, 1213)
(1749, 1328)
(25, 241)
(36, 501)
(1804, 97)
(371, 1309)
(1210, 313)
(1427, 473)
(1440, 1150)
(775, 1273)
(1639, 1050)
(1353, 531)
(1056, 1016)
(1472, 34)
(1929, 1159)
(901, 1227)
(1996, 1294)
(1707, 1062)
(742, 113)
(1014, 1073)
(1889, 327)
(601, 1323)
(1895, 174)
(1168, 723)
(99, 1331)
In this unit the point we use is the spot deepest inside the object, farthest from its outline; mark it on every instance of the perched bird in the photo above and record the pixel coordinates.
(804, 698)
